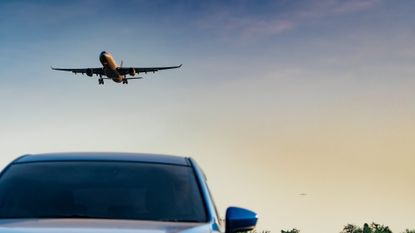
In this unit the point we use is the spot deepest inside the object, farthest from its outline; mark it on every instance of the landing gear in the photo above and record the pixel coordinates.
(125, 81)
(100, 81)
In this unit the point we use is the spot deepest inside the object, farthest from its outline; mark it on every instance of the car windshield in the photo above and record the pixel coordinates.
(109, 190)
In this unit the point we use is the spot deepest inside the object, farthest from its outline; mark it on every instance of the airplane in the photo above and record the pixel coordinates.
(114, 72)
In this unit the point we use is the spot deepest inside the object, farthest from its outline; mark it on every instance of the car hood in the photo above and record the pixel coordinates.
(98, 226)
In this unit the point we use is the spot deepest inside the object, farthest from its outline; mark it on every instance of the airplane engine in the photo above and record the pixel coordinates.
(131, 71)
(89, 72)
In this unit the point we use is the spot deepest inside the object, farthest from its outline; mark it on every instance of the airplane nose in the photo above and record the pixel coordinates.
(103, 57)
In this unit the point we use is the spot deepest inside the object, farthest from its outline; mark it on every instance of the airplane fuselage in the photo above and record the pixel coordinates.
(110, 67)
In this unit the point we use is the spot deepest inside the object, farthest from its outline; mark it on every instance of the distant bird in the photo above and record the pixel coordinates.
(302, 194)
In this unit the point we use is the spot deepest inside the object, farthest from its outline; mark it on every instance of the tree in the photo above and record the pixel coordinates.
(350, 228)
(366, 228)
(291, 231)
(377, 228)
(372, 228)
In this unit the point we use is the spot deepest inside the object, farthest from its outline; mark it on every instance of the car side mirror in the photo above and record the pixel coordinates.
(239, 219)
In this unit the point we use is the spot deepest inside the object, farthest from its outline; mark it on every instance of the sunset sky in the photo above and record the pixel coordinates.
(274, 99)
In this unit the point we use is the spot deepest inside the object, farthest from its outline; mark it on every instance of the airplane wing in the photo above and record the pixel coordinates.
(88, 71)
(125, 70)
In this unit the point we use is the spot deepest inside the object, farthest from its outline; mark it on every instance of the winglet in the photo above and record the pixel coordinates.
(180, 66)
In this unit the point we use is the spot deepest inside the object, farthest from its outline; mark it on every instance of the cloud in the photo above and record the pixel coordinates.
(354, 5)
(251, 28)
(240, 21)
(269, 27)
(332, 8)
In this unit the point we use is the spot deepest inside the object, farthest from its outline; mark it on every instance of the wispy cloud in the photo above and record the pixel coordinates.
(264, 27)
(353, 5)
(243, 23)
(246, 27)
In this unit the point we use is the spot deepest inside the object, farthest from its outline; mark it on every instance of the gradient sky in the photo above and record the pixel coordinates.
(274, 99)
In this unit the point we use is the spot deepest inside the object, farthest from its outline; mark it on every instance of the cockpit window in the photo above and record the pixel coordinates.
(109, 190)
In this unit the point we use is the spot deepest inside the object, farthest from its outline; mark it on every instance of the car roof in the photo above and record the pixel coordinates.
(104, 156)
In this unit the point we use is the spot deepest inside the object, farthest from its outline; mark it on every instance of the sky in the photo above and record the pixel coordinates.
(274, 99)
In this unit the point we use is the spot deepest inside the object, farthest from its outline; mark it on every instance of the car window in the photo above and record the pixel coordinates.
(93, 189)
